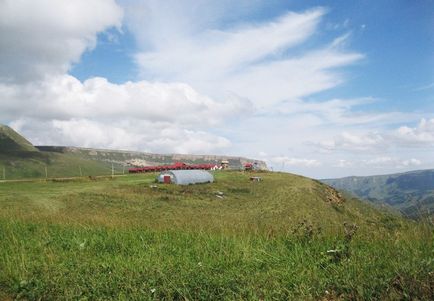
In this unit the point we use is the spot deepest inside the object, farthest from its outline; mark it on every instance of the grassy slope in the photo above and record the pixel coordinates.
(11, 141)
(32, 165)
(125, 240)
(20, 159)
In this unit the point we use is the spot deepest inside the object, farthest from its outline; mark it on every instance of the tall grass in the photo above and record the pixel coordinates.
(124, 240)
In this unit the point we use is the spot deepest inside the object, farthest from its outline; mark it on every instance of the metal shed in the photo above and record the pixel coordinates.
(185, 177)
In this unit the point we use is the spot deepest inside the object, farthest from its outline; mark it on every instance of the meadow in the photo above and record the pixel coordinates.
(127, 238)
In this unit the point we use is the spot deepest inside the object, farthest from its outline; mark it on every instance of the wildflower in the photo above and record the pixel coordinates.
(153, 290)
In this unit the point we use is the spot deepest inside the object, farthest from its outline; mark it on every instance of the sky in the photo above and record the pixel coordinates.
(320, 88)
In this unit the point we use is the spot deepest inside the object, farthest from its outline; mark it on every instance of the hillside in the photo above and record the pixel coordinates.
(20, 159)
(412, 193)
(12, 142)
(285, 238)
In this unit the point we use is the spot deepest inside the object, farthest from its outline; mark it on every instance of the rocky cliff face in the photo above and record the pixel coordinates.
(131, 158)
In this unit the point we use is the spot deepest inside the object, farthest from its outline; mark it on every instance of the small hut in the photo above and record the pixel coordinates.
(185, 177)
(224, 164)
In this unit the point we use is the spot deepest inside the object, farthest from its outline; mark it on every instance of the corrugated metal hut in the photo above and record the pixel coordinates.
(185, 177)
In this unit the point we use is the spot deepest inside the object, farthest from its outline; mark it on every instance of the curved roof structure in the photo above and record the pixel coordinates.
(185, 177)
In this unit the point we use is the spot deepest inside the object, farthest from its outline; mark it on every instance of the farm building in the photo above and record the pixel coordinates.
(185, 177)
(224, 164)
(175, 166)
(251, 166)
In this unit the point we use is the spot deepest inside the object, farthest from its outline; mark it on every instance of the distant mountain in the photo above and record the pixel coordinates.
(12, 142)
(412, 193)
(20, 159)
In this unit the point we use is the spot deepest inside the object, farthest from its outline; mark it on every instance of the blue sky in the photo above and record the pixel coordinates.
(397, 38)
(320, 88)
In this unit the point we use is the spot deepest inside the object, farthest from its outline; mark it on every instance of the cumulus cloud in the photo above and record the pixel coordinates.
(421, 135)
(134, 115)
(44, 37)
(138, 135)
(212, 83)
(65, 97)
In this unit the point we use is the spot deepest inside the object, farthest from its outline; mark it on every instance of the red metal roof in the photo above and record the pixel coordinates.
(175, 166)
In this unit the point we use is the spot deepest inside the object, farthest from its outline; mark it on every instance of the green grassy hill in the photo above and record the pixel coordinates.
(12, 142)
(285, 238)
(19, 159)
(412, 193)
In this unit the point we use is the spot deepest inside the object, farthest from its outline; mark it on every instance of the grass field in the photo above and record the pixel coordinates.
(125, 239)
(34, 165)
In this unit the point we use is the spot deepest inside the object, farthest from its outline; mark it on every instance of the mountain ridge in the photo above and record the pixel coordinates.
(411, 192)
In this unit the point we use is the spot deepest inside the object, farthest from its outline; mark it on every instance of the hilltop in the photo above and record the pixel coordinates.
(21, 159)
(12, 142)
(412, 193)
(285, 238)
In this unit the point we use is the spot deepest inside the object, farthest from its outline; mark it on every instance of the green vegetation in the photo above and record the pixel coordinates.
(287, 237)
(34, 165)
(12, 142)
(412, 193)
(19, 159)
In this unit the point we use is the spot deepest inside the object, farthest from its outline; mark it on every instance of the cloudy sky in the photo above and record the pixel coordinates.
(320, 88)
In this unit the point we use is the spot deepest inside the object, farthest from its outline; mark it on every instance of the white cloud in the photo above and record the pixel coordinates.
(287, 161)
(411, 162)
(340, 112)
(140, 115)
(212, 84)
(44, 37)
(137, 135)
(342, 163)
(353, 142)
(266, 72)
(221, 52)
(386, 161)
(65, 97)
(421, 135)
